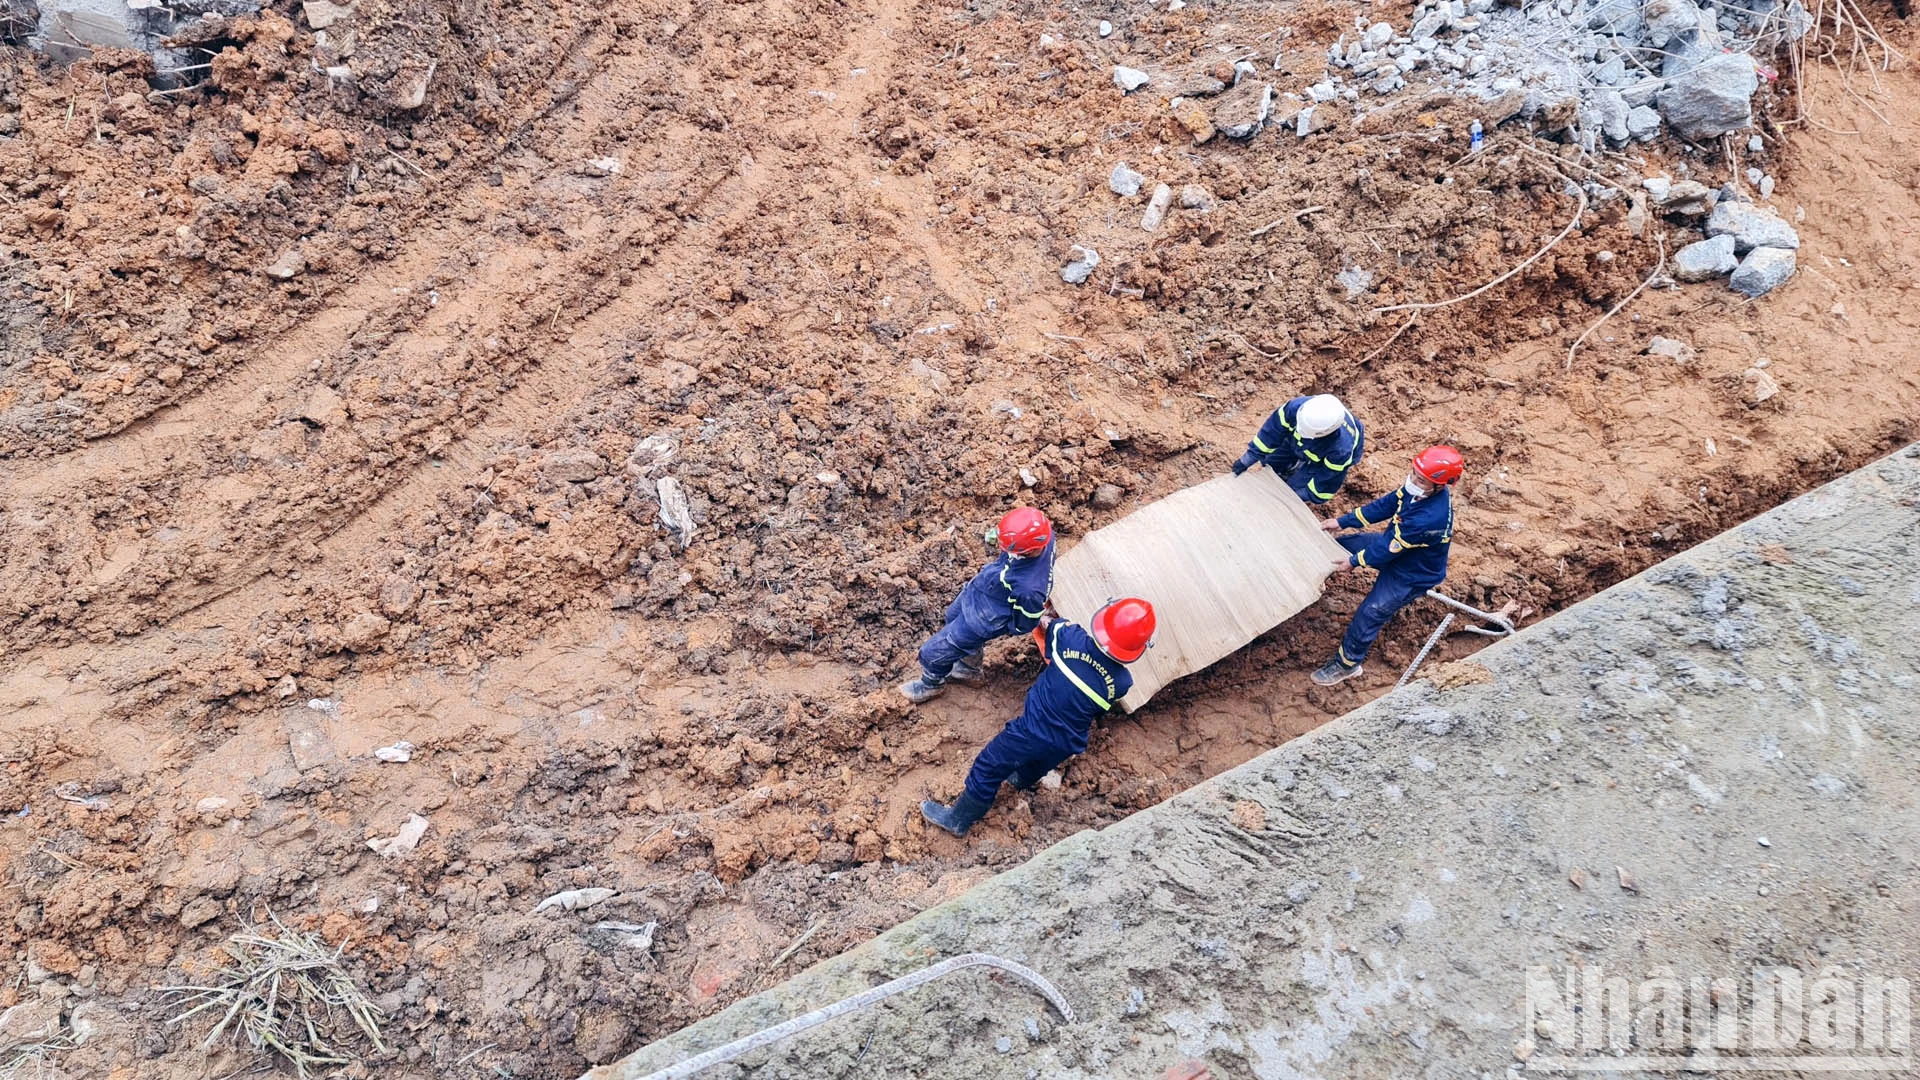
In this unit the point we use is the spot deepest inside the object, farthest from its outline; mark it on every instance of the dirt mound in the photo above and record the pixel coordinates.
(627, 410)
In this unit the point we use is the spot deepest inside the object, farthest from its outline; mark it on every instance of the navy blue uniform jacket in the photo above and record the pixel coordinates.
(1079, 684)
(1413, 546)
(1009, 594)
(1313, 468)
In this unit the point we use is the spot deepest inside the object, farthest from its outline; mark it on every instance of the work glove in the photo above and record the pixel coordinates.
(1247, 461)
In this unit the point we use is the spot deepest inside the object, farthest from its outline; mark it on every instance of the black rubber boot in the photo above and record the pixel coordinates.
(959, 817)
(919, 690)
(1333, 671)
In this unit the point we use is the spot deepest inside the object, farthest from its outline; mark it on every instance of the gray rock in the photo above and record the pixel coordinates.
(1766, 187)
(1712, 99)
(1682, 197)
(1129, 79)
(1764, 270)
(1107, 496)
(1243, 111)
(1195, 197)
(1432, 24)
(1322, 92)
(1106, 28)
(1355, 280)
(1642, 92)
(1754, 175)
(1157, 207)
(1303, 122)
(1751, 227)
(1611, 110)
(1124, 181)
(1704, 259)
(1689, 49)
(1377, 35)
(1084, 259)
(1643, 123)
(1755, 144)
(1612, 72)
(1666, 18)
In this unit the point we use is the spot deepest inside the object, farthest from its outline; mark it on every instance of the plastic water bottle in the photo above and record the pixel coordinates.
(1474, 132)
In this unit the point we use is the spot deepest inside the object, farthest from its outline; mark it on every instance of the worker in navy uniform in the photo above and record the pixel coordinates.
(1409, 551)
(1313, 443)
(1085, 676)
(1005, 599)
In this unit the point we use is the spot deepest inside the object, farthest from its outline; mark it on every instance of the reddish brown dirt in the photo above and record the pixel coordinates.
(417, 482)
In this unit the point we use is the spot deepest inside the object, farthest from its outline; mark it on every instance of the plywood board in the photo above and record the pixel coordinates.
(1222, 563)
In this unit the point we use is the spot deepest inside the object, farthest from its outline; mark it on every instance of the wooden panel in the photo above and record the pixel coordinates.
(1222, 563)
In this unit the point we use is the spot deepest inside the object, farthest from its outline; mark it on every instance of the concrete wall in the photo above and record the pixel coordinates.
(1737, 730)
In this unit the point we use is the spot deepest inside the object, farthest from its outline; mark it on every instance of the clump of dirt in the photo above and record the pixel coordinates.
(636, 407)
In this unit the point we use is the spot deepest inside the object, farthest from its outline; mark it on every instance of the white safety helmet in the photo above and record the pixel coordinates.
(1321, 414)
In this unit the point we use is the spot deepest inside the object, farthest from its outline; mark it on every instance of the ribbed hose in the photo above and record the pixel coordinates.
(774, 1034)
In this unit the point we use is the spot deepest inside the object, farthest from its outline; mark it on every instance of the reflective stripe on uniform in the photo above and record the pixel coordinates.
(1317, 493)
(1067, 670)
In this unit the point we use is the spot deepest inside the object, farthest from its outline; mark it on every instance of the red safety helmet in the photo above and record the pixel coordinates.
(1124, 628)
(1025, 531)
(1439, 464)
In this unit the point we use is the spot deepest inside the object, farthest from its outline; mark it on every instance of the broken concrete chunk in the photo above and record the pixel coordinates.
(1129, 79)
(1712, 99)
(1242, 113)
(1643, 122)
(322, 14)
(1195, 197)
(1705, 259)
(1157, 207)
(1689, 197)
(1124, 181)
(1080, 268)
(1751, 227)
(1764, 270)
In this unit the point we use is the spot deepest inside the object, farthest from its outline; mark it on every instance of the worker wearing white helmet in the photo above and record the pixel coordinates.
(1312, 442)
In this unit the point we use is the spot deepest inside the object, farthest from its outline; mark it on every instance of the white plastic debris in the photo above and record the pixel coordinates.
(402, 842)
(630, 935)
(575, 899)
(397, 753)
(674, 512)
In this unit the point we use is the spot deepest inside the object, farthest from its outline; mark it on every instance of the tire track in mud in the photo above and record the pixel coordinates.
(623, 264)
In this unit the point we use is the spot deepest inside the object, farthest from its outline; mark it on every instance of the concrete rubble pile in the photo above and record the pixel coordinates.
(71, 29)
(1612, 71)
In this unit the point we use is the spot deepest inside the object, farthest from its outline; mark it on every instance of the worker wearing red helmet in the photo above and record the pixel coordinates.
(1086, 674)
(1409, 551)
(1006, 598)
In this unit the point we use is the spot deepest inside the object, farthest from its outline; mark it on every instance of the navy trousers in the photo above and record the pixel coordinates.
(1389, 594)
(1015, 754)
(958, 640)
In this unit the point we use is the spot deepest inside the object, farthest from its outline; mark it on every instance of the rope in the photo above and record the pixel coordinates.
(1432, 640)
(858, 1001)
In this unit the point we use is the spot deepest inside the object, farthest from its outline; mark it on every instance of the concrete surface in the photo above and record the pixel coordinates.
(1735, 730)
